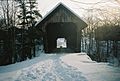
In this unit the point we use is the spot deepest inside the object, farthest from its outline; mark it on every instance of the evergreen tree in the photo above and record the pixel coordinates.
(28, 13)
(32, 13)
(28, 16)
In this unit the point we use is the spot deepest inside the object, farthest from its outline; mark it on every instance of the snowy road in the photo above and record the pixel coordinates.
(51, 70)
(59, 67)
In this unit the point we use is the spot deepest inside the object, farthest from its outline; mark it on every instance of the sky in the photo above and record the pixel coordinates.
(78, 6)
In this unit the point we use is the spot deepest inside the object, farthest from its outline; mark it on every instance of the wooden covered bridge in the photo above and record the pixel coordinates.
(61, 23)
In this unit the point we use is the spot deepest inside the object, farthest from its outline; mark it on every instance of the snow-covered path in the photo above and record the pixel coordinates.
(65, 72)
(59, 67)
(52, 69)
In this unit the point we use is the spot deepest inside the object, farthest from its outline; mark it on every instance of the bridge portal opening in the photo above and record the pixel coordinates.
(61, 43)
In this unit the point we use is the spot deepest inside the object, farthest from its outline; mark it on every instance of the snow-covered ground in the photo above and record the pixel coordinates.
(60, 67)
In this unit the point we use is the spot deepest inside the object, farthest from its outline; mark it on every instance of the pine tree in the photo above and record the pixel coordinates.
(32, 13)
(28, 14)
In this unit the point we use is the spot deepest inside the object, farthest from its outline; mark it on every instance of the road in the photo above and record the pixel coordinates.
(52, 69)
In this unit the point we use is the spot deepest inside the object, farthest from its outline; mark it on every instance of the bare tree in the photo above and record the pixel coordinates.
(99, 17)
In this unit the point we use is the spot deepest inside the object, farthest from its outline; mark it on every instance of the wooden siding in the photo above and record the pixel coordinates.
(62, 14)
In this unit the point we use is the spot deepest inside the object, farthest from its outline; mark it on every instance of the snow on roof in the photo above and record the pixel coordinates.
(60, 3)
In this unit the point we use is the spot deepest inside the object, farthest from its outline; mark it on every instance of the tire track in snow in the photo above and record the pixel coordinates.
(51, 70)
(65, 72)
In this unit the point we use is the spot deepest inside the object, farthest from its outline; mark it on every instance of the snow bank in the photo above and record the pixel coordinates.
(92, 70)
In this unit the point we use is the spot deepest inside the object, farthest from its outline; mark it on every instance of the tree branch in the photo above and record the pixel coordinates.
(89, 3)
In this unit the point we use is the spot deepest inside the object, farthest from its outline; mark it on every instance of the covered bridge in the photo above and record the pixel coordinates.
(61, 23)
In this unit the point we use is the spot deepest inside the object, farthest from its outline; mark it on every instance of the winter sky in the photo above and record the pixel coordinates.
(78, 7)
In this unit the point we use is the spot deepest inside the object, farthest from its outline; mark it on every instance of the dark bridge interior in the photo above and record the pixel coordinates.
(67, 30)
